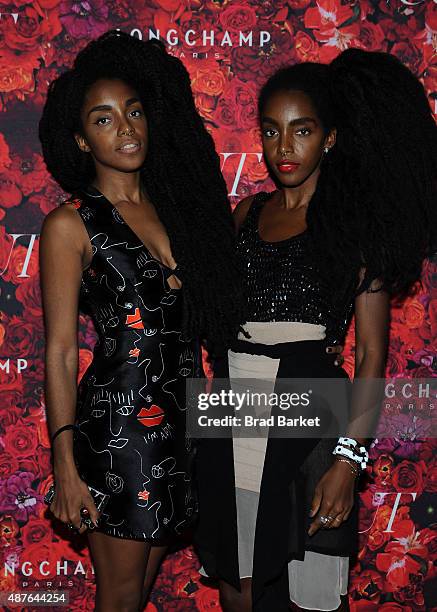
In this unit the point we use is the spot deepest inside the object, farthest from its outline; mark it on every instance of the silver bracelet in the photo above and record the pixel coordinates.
(352, 464)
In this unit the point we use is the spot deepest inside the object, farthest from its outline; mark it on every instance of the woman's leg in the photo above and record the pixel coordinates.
(120, 567)
(232, 600)
(157, 554)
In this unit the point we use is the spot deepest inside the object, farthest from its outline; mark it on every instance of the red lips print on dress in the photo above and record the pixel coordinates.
(149, 417)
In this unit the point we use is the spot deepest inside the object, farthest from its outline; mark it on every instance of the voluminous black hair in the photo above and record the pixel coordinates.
(375, 201)
(189, 193)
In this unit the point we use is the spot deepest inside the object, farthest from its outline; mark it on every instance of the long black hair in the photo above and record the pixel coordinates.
(190, 196)
(375, 201)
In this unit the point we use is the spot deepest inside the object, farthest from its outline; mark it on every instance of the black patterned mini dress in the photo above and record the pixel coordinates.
(131, 438)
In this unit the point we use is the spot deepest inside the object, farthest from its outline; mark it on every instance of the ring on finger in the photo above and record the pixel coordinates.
(87, 522)
(327, 520)
(334, 520)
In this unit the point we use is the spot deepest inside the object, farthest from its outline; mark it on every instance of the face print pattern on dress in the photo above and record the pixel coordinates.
(131, 400)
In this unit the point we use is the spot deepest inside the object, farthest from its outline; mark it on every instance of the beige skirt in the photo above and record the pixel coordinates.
(318, 581)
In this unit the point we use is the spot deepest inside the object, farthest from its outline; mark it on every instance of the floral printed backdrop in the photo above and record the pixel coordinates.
(230, 48)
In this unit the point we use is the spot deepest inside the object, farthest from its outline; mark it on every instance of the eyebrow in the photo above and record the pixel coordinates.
(106, 107)
(297, 121)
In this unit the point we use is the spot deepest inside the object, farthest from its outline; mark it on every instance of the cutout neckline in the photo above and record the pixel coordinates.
(99, 194)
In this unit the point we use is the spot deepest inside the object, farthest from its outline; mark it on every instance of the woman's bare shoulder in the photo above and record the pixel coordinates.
(241, 210)
(63, 225)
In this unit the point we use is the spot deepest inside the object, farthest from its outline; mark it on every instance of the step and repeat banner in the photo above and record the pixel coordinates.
(229, 48)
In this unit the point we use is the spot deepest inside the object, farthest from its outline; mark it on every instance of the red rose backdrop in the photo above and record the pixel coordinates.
(229, 48)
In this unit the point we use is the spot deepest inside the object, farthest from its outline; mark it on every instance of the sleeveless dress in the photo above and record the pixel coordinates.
(267, 485)
(131, 441)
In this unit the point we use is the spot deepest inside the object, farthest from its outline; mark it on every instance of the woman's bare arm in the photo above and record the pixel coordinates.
(372, 320)
(64, 252)
(334, 494)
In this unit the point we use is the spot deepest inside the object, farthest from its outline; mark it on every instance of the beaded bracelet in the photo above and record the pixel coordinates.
(63, 428)
(361, 459)
(348, 442)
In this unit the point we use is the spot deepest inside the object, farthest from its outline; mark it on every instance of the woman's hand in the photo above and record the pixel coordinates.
(72, 494)
(333, 497)
(337, 350)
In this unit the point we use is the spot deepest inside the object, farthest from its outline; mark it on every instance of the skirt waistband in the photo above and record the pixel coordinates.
(283, 349)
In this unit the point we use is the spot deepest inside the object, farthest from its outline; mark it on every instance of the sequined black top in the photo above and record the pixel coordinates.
(281, 280)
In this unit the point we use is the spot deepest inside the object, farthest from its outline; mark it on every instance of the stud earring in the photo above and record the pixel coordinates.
(326, 149)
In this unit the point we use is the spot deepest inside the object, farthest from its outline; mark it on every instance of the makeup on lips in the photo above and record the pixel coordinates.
(285, 166)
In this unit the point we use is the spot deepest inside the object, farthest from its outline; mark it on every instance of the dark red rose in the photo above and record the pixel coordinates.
(11, 193)
(36, 530)
(396, 363)
(408, 54)
(225, 112)
(29, 294)
(268, 9)
(428, 450)
(431, 477)
(84, 19)
(11, 385)
(67, 48)
(408, 476)
(40, 464)
(27, 32)
(258, 63)
(30, 173)
(372, 36)
(238, 18)
(23, 337)
(194, 21)
(8, 465)
(21, 439)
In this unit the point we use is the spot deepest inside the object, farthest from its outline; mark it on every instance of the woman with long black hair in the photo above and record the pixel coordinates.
(352, 148)
(146, 246)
